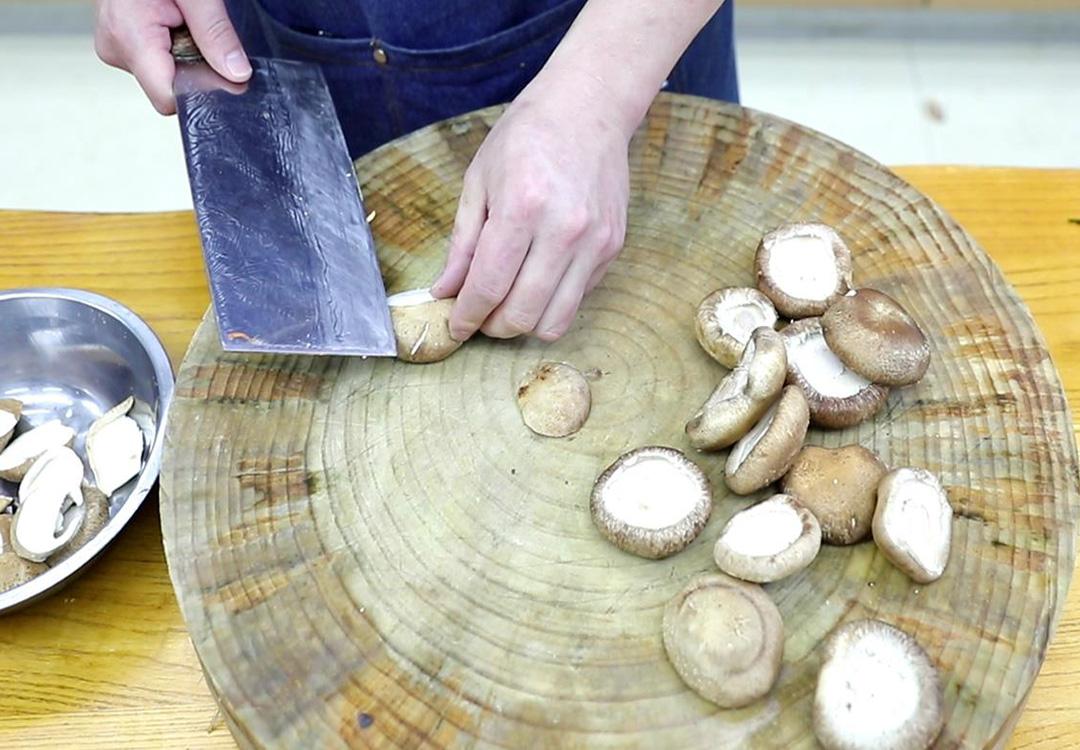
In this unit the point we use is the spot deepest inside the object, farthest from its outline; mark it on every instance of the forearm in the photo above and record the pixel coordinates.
(618, 53)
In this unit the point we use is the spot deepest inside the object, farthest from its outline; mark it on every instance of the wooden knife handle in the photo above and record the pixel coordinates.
(183, 46)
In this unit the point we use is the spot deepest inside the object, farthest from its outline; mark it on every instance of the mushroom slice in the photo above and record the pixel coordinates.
(839, 486)
(803, 268)
(10, 411)
(97, 516)
(5, 501)
(725, 638)
(873, 336)
(743, 396)
(877, 690)
(763, 455)
(422, 326)
(41, 526)
(554, 399)
(838, 397)
(25, 449)
(13, 569)
(913, 523)
(728, 317)
(768, 541)
(114, 446)
(651, 502)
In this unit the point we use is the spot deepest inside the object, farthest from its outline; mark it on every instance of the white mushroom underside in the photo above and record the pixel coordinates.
(740, 319)
(35, 442)
(804, 266)
(763, 530)
(750, 440)
(115, 453)
(822, 369)
(869, 689)
(918, 522)
(7, 422)
(651, 492)
(410, 298)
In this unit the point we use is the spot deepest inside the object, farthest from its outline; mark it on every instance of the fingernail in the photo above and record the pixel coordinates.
(237, 64)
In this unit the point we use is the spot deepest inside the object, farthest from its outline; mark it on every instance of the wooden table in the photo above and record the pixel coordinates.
(107, 661)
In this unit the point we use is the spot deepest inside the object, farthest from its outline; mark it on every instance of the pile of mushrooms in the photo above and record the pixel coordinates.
(56, 511)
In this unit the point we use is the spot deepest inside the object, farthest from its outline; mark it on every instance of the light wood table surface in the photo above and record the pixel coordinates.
(107, 662)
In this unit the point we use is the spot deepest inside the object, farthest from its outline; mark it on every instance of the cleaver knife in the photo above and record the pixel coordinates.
(288, 251)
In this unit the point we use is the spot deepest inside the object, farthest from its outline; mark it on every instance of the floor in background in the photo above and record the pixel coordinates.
(907, 87)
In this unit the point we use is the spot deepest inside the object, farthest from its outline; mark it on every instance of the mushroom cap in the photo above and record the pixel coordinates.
(913, 523)
(651, 502)
(96, 517)
(554, 399)
(768, 541)
(10, 412)
(837, 396)
(725, 639)
(763, 455)
(839, 486)
(876, 690)
(42, 524)
(728, 317)
(803, 268)
(743, 395)
(873, 336)
(21, 452)
(422, 326)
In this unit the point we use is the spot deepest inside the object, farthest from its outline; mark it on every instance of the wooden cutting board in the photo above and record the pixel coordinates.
(376, 554)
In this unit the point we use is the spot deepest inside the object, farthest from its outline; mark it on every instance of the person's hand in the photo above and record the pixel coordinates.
(134, 35)
(541, 215)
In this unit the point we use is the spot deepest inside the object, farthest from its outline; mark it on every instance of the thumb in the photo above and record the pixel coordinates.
(214, 35)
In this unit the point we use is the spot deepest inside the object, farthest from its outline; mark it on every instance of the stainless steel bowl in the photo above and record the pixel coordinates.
(70, 355)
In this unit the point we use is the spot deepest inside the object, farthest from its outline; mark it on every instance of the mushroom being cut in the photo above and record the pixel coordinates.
(764, 453)
(876, 690)
(768, 541)
(10, 411)
(114, 446)
(913, 523)
(422, 326)
(13, 569)
(743, 395)
(839, 486)
(837, 396)
(725, 639)
(875, 337)
(21, 452)
(45, 520)
(652, 502)
(554, 399)
(728, 317)
(803, 268)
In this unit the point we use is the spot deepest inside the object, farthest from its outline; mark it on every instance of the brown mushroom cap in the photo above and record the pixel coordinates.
(876, 690)
(763, 455)
(554, 399)
(837, 396)
(725, 639)
(728, 317)
(913, 523)
(422, 326)
(803, 268)
(13, 569)
(873, 336)
(10, 412)
(97, 515)
(743, 396)
(839, 486)
(652, 502)
(768, 541)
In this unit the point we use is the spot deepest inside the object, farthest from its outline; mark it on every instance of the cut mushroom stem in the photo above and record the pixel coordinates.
(877, 690)
(651, 502)
(837, 396)
(554, 399)
(422, 326)
(725, 639)
(913, 523)
(17, 458)
(765, 453)
(768, 541)
(839, 486)
(743, 396)
(50, 505)
(10, 411)
(875, 337)
(803, 268)
(114, 446)
(728, 317)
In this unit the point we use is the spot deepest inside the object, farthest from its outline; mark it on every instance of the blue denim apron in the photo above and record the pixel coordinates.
(393, 66)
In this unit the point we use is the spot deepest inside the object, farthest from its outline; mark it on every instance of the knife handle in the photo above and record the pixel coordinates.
(183, 46)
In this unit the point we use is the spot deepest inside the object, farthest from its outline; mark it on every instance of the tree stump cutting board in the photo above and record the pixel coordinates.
(369, 553)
